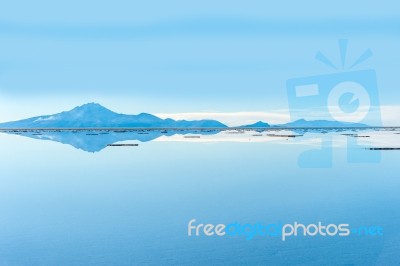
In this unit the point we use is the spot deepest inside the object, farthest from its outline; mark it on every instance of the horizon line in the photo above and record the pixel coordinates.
(187, 128)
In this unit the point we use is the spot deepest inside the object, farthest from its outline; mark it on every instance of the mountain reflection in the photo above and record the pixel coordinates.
(97, 140)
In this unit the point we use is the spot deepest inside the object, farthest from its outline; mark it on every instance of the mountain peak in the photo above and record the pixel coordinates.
(93, 108)
(92, 105)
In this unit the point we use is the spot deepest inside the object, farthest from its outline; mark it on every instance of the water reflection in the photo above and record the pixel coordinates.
(323, 139)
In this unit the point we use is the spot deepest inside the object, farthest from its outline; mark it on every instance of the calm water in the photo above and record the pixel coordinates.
(83, 203)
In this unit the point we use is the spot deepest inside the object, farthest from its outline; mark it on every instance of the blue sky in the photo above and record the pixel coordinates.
(183, 56)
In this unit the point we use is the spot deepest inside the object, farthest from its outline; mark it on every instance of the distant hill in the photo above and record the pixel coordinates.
(93, 115)
(320, 123)
(259, 124)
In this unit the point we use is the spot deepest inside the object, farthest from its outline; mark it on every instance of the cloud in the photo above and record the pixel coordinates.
(390, 115)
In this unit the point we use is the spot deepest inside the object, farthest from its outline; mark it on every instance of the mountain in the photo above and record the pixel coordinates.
(259, 124)
(93, 115)
(302, 123)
